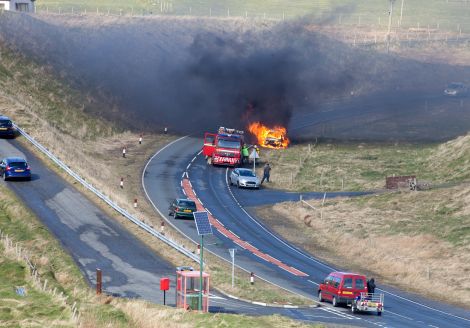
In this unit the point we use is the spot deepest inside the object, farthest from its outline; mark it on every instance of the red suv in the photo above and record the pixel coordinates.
(342, 287)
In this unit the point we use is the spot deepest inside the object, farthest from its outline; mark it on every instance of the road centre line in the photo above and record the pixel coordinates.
(423, 305)
(400, 315)
(339, 313)
(269, 232)
(333, 269)
(180, 231)
(312, 282)
(191, 194)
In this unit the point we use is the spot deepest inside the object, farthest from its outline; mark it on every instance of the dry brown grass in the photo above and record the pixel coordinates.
(99, 160)
(388, 236)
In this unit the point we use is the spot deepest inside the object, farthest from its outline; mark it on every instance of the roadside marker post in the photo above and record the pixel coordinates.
(99, 282)
(232, 255)
(252, 278)
(121, 184)
(135, 203)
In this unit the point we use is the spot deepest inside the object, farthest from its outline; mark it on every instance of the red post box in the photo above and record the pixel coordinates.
(164, 285)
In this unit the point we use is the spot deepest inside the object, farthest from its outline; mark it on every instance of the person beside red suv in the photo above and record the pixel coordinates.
(342, 287)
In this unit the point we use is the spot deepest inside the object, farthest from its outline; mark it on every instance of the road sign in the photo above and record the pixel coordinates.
(254, 154)
(203, 225)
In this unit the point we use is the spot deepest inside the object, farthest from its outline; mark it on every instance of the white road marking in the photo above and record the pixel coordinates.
(339, 313)
(235, 234)
(399, 315)
(214, 297)
(318, 262)
(424, 306)
(318, 316)
(270, 233)
(312, 282)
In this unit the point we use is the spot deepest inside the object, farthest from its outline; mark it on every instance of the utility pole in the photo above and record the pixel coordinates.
(389, 24)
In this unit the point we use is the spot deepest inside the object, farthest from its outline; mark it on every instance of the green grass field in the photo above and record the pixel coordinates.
(449, 15)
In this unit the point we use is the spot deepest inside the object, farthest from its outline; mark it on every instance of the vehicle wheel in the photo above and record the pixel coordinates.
(5, 176)
(379, 313)
(176, 216)
(209, 160)
(334, 302)
(238, 184)
(231, 182)
(353, 308)
(320, 297)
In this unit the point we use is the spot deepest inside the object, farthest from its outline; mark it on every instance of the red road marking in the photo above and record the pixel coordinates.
(188, 190)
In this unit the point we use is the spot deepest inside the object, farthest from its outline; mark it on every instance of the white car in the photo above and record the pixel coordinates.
(456, 89)
(244, 178)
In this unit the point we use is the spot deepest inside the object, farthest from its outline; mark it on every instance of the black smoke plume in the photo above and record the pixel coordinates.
(191, 77)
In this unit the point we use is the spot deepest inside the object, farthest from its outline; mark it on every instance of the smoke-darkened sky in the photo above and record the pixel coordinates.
(196, 75)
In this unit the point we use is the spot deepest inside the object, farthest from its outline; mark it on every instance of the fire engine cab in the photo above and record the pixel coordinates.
(223, 147)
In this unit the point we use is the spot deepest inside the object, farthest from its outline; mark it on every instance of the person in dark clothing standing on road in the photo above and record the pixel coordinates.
(266, 173)
(371, 286)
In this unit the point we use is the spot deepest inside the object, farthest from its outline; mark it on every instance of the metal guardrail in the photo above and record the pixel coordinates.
(103, 197)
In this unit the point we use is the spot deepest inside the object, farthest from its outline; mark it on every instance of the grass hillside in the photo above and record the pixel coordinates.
(428, 231)
(57, 116)
(450, 15)
(66, 289)
(419, 227)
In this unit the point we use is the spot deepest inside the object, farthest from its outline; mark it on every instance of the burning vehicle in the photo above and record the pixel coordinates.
(275, 137)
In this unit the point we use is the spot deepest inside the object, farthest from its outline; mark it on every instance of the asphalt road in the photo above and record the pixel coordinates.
(94, 240)
(162, 180)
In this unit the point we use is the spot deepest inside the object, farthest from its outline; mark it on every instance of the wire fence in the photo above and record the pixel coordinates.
(354, 29)
(377, 20)
(107, 200)
(20, 253)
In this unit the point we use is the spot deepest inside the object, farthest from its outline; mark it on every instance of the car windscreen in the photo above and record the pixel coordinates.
(247, 173)
(359, 283)
(187, 203)
(17, 165)
(209, 140)
(227, 143)
(5, 123)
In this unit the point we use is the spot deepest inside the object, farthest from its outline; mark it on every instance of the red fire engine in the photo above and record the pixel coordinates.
(223, 148)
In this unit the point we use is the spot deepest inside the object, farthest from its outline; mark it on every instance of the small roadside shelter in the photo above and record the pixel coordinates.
(187, 290)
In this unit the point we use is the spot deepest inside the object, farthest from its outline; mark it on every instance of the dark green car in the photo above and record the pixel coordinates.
(182, 208)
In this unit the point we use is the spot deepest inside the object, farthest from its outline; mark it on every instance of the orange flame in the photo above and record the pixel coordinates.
(275, 137)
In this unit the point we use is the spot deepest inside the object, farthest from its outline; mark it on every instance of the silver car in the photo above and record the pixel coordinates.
(244, 178)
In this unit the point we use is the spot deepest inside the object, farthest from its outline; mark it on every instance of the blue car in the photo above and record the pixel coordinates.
(6, 127)
(15, 168)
